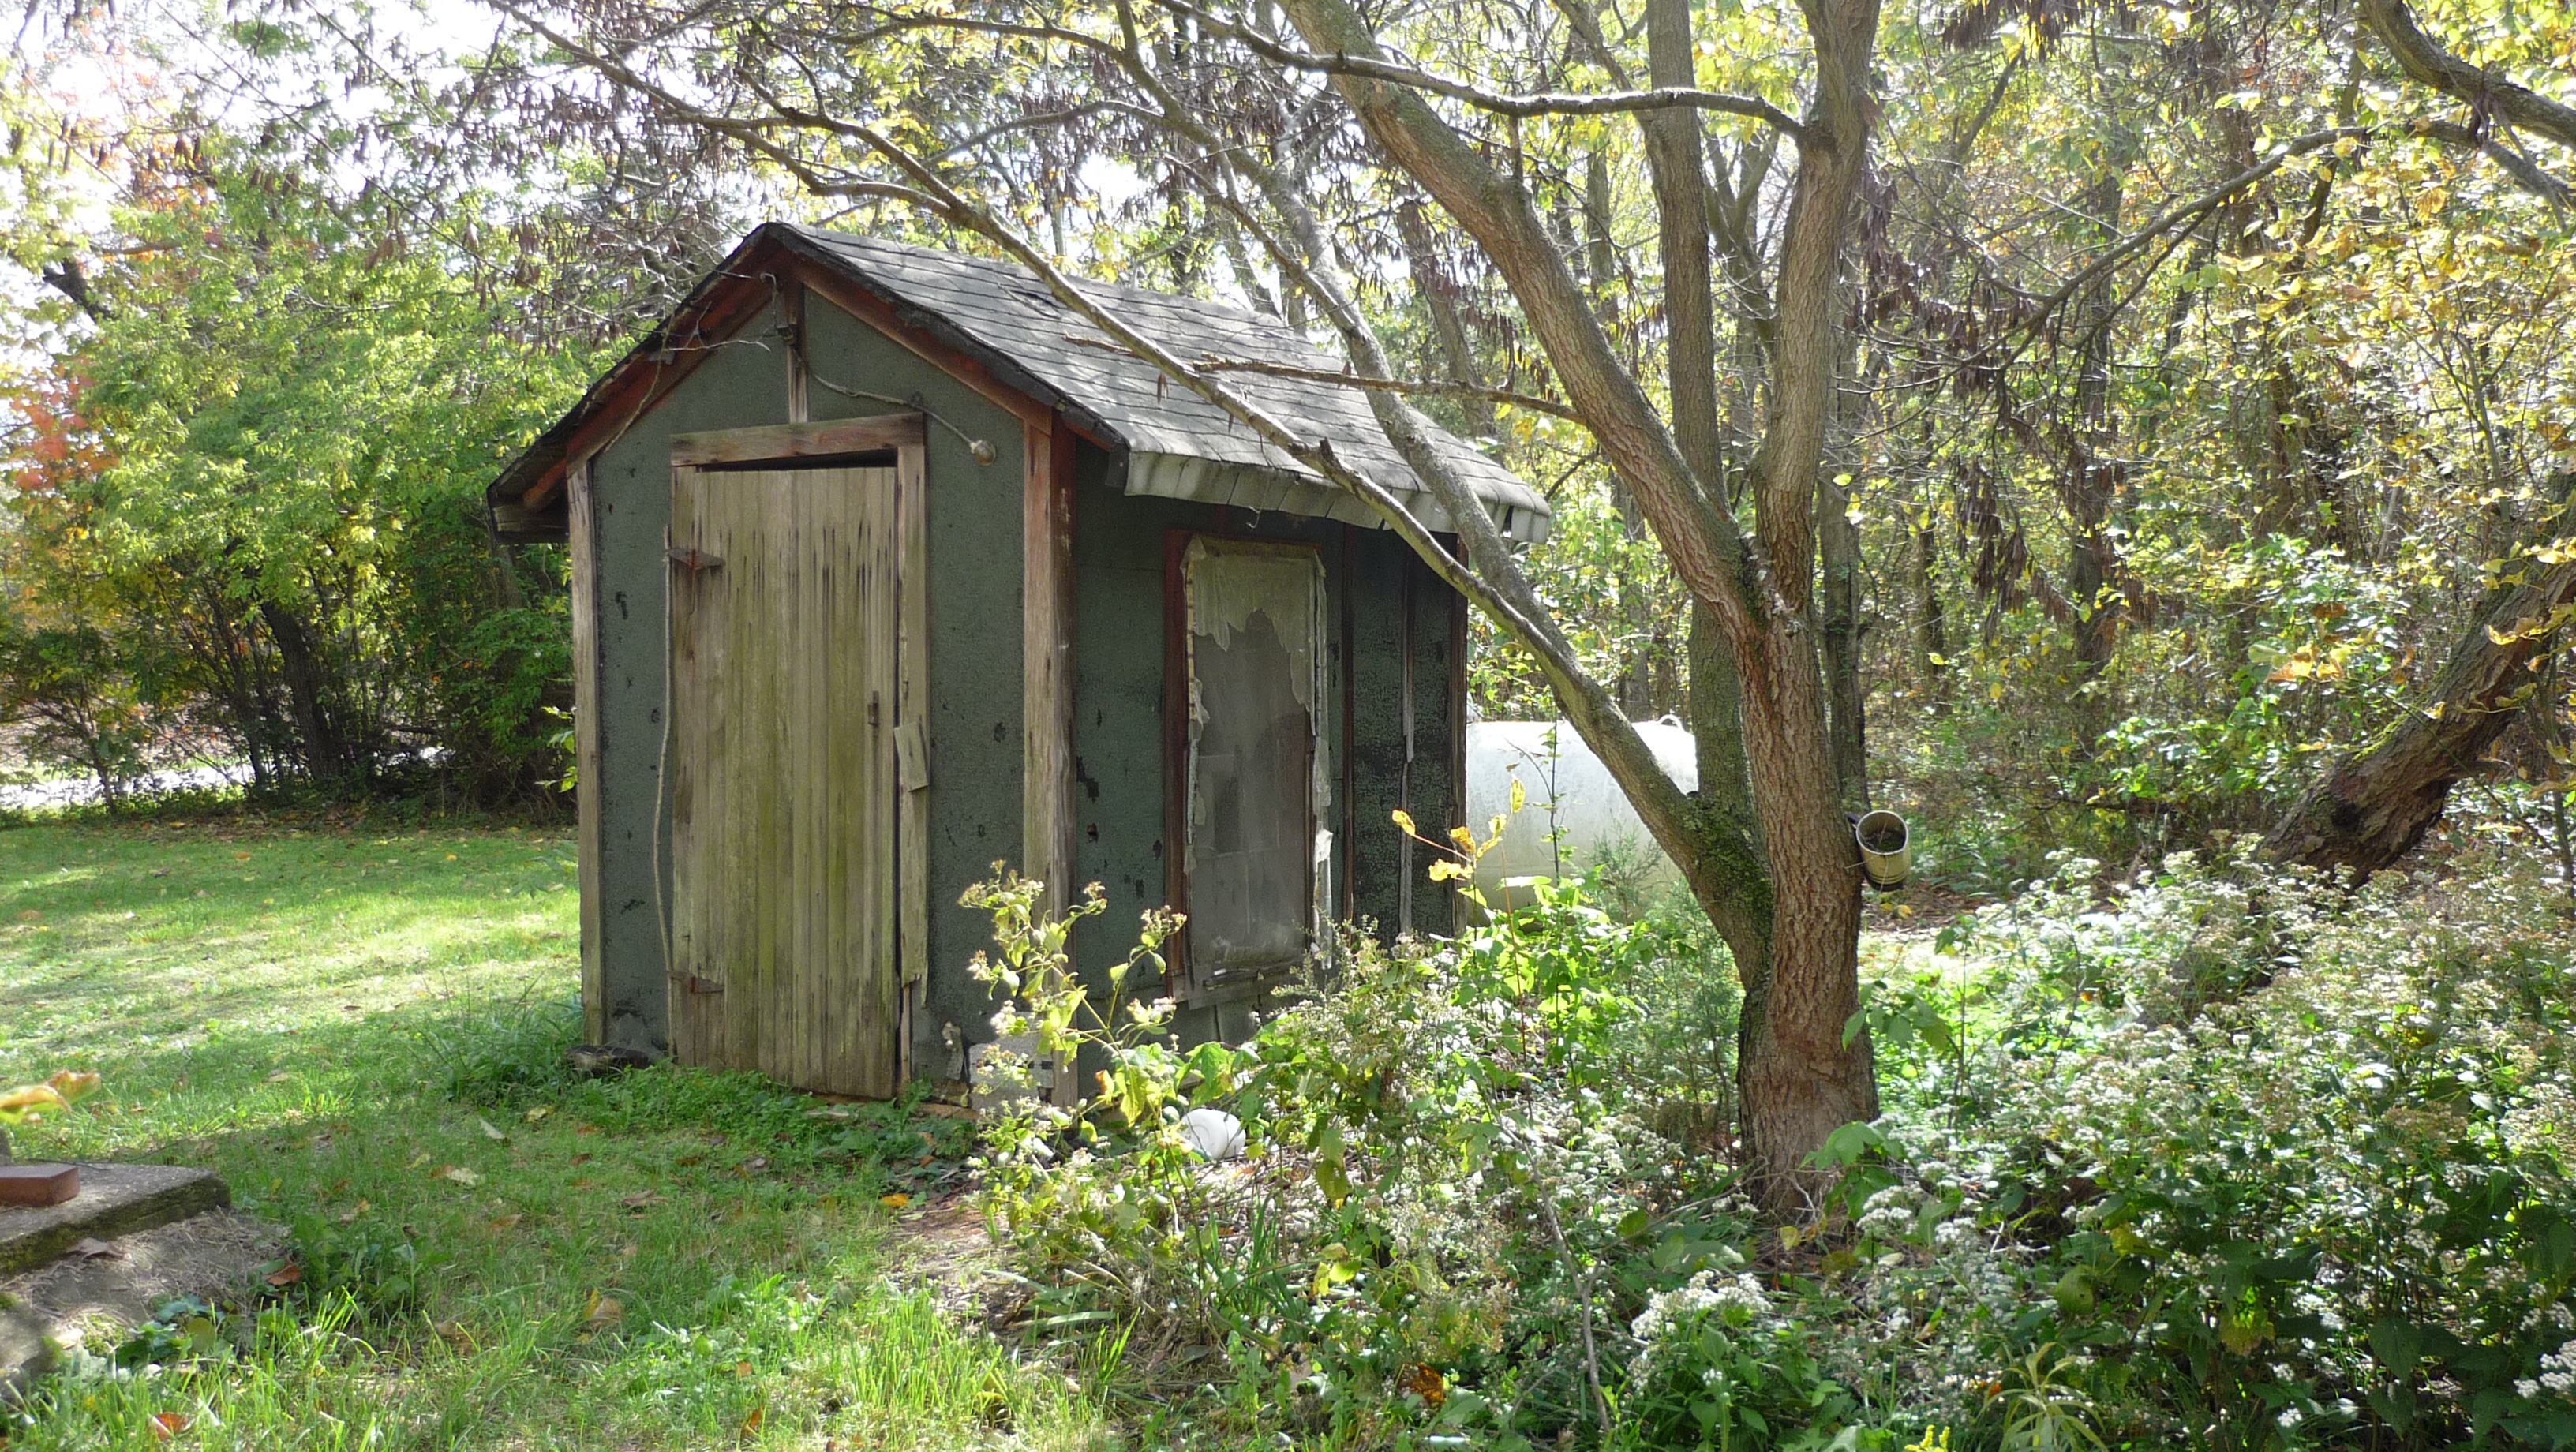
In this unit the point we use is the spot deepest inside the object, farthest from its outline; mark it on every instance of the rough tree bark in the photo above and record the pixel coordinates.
(1800, 1079)
(2370, 808)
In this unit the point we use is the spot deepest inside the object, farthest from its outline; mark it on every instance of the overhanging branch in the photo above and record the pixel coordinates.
(1545, 103)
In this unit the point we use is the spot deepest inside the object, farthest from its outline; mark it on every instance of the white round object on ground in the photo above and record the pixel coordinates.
(1215, 1134)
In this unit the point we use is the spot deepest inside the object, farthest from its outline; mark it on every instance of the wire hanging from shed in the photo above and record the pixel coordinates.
(979, 450)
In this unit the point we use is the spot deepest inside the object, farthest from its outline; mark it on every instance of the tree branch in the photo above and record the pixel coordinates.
(2431, 65)
(2525, 172)
(1503, 396)
(1548, 103)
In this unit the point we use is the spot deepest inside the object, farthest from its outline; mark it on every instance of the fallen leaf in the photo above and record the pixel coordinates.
(754, 1165)
(505, 1222)
(540, 1112)
(241, 857)
(586, 1129)
(166, 1425)
(742, 1368)
(350, 1216)
(626, 1251)
(451, 856)
(750, 1424)
(895, 1201)
(454, 1334)
(460, 1175)
(581, 1159)
(89, 1248)
(491, 1133)
(286, 1275)
(641, 1200)
(280, 1077)
(604, 1311)
(418, 1160)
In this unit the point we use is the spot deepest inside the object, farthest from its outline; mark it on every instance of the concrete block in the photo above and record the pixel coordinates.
(114, 1200)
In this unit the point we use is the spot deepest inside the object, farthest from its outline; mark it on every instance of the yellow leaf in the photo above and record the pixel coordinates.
(460, 1175)
(1405, 821)
(895, 1201)
(1520, 794)
(1444, 869)
(1462, 836)
(603, 1310)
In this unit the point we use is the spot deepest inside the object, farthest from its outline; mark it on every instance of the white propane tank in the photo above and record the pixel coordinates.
(1568, 794)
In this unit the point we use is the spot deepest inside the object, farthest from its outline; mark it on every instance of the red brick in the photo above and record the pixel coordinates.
(38, 1184)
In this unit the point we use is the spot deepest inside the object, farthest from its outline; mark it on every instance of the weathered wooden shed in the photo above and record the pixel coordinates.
(886, 566)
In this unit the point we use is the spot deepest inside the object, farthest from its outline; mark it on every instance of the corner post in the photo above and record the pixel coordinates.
(1046, 600)
(585, 733)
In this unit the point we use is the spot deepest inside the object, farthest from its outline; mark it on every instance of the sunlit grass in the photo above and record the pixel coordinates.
(670, 1259)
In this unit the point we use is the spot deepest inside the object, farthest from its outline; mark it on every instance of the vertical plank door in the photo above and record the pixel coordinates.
(782, 764)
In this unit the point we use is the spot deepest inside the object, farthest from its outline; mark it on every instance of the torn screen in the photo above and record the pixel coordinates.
(1256, 651)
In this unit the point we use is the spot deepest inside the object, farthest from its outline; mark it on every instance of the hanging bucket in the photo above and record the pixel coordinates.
(1886, 848)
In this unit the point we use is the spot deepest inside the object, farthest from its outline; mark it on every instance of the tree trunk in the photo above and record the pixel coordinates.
(309, 691)
(2370, 808)
(1802, 1080)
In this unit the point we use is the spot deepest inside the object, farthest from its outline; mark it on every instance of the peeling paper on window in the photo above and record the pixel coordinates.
(1256, 637)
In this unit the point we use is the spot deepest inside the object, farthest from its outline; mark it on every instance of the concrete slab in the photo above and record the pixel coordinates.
(114, 1200)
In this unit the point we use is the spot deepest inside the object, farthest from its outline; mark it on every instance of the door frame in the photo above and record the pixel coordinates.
(806, 446)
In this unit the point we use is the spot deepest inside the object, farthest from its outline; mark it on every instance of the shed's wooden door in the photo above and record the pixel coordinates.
(782, 763)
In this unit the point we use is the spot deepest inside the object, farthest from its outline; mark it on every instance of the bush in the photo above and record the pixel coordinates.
(2288, 1166)
(2219, 1157)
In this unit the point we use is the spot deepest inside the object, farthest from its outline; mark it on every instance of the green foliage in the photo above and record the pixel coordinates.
(2279, 1163)
(247, 509)
(1447, 1189)
(2213, 1156)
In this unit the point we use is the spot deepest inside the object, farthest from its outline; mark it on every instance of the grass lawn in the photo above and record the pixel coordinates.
(361, 1028)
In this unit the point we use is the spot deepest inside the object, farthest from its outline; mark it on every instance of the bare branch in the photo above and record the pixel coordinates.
(1548, 103)
(2190, 211)
(1503, 396)
(1423, 388)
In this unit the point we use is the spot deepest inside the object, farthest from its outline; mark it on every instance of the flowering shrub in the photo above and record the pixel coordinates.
(2215, 1156)
(2290, 1164)
(1716, 1365)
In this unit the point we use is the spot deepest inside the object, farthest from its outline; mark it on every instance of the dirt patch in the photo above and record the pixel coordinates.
(945, 1249)
(103, 1287)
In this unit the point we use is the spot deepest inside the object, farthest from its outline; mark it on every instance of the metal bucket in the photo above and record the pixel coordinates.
(1886, 848)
